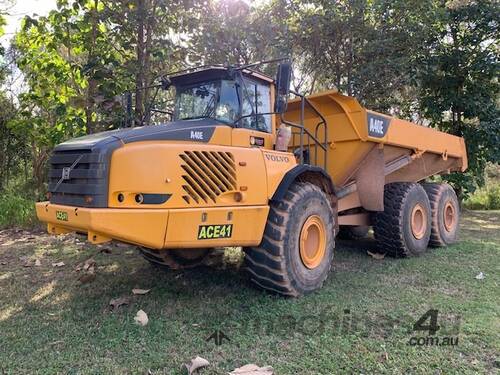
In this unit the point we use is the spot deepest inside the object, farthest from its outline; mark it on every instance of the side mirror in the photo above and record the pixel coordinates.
(283, 78)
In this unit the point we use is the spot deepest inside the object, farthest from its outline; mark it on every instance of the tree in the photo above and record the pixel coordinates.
(459, 83)
(68, 68)
(238, 33)
(152, 37)
(366, 49)
(3, 22)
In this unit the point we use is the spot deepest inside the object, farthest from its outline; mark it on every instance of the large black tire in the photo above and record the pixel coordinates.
(445, 214)
(175, 259)
(277, 263)
(351, 232)
(404, 203)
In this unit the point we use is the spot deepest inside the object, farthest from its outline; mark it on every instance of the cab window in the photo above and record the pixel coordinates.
(257, 96)
(217, 100)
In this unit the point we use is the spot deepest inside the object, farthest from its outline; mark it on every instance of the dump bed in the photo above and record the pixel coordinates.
(364, 145)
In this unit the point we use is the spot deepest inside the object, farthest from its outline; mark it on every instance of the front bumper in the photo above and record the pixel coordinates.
(158, 228)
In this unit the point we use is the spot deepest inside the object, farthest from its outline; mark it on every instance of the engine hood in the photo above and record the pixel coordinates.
(199, 130)
(79, 168)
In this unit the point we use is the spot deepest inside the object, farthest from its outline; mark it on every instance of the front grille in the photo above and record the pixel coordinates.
(208, 174)
(86, 178)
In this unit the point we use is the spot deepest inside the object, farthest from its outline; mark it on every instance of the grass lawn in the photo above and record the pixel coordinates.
(360, 322)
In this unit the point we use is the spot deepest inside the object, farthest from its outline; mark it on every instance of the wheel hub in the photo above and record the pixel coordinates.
(449, 218)
(418, 221)
(312, 242)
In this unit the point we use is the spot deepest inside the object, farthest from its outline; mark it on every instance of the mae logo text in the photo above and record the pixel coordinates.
(196, 135)
(377, 125)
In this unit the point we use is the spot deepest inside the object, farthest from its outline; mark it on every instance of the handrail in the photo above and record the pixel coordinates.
(304, 132)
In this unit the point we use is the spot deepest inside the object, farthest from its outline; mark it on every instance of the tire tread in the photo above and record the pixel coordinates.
(266, 263)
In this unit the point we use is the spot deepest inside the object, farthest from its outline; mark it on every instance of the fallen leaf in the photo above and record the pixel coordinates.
(56, 342)
(480, 276)
(58, 264)
(195, 364)
(117, 302)
(141, 318)
(38, 263)
(140, 291)
(87, 278)
(377, 256)
(88, 264)
(253, 370)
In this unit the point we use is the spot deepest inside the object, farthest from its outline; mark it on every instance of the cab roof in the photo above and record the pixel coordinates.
(212, 72)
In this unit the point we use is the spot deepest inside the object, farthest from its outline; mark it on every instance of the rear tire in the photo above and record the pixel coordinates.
(404, 227)
(296, 252)
(350, 232)
(445, 214)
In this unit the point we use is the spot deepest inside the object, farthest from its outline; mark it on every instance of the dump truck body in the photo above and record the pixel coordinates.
(367, 150)
(213, 178)
(354, 131)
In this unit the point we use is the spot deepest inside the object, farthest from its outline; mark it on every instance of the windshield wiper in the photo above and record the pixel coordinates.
(210, 108)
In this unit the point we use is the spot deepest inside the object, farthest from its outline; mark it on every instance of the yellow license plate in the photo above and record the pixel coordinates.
(61, 215)
(206, 232)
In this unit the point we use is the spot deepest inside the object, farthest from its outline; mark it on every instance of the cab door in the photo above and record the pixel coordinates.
(255, 128)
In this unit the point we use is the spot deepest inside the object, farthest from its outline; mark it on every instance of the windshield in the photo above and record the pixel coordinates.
(217, 100)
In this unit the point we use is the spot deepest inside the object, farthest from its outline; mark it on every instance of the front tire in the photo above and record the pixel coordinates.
(296, 252)
(404, 227)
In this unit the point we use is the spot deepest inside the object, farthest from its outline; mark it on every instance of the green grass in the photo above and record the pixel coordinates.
(50, 323)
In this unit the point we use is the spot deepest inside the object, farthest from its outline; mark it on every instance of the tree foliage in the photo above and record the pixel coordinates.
(459, 82)
(431, 61)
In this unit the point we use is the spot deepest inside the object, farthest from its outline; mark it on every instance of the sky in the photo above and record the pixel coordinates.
(23, 8)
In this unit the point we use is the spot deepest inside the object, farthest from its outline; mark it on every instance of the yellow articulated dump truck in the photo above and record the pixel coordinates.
(242, 165)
